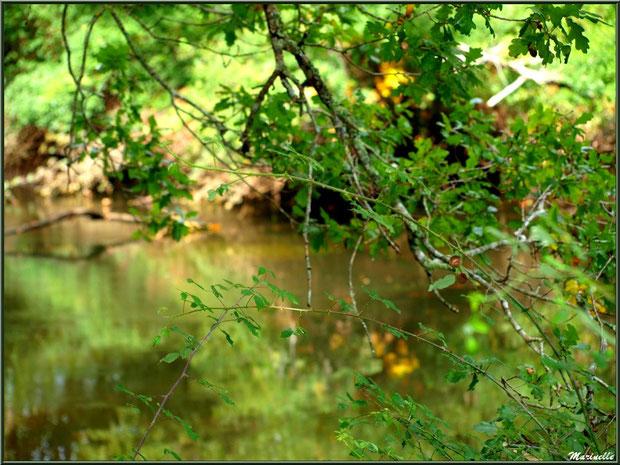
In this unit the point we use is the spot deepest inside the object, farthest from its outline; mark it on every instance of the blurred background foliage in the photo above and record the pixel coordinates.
(39, 89)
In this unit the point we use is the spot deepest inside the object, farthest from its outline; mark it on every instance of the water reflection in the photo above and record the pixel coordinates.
(75, 328)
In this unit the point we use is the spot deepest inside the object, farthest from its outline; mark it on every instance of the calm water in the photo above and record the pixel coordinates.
(80, 318)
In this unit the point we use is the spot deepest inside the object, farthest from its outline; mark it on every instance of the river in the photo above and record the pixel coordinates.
(80, 319)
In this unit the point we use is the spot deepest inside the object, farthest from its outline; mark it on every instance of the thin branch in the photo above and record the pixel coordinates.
(373, 16)
(442, 348)
(222, 129)
(451, 307)
(352, 288)
(77, 80)
(183, 374)
(241, 176)
(305, 236)
(213, 10)
(245, 144)
(530, 340)
(149, 30)
(535, 211)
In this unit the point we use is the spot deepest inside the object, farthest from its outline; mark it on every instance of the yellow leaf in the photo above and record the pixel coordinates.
(571, 286)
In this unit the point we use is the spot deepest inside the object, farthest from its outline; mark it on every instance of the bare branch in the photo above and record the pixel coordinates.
(92, 214)
(222, 129)
(245, 145)
(352, 288)
(214, 10)
(306, 240)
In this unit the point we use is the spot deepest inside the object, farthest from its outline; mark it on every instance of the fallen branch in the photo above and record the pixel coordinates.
(96, 251)
(92, 214)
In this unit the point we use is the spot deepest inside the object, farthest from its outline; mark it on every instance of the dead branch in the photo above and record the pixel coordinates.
(92, 214)
(540, 77)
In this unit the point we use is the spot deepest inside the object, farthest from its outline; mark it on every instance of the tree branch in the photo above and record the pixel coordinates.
(222, 129)
(352, 288)
(183, 375)
(245, 144)
(92, 214)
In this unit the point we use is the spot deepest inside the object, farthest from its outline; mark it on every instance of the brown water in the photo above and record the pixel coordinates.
(80, 318)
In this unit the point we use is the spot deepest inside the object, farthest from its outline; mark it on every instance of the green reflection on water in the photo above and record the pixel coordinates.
(74, 329)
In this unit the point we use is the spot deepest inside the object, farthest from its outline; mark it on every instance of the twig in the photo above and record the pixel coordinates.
(530, 340)
(76, 79)
(222, 129)
(149, 30)
(373, 16)
(245, 145)
(437, 293)
(183, 374)
(305, 236)
(352, 288)
(442, 348)
(213, 10)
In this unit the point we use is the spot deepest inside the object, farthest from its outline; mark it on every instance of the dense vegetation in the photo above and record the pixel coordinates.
(376, 109)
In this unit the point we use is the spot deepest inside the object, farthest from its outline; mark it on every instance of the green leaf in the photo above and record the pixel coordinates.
(191, 281)
(171, 357)
(576, 34)
(438, 334)
(547, 379)
(173, 453)
(473, 383)
(571, 335)
(286, 333)
(216, 293)
(188, 429)
(228, 338)
(136, 408)
(541, 235)
(552, 363)
(517, 47)
(372, 447)
(260, 301)
(263, 270)
(486, 427)
(253, 329)
(395, 332)
(122, 388)
(226, 398)
(583, 119)
(507, 413)
(388, 303)
(443, 282)
(205, 383)
(382, 220)
(299, 331)
(454, 376)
